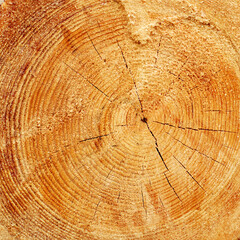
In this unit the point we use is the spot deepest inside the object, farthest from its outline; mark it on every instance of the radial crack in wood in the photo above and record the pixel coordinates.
(119, 119)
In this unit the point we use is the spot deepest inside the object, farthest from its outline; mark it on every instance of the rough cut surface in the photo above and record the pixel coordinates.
(119, 119)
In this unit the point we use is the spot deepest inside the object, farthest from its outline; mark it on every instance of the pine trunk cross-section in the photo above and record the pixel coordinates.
(120, 119)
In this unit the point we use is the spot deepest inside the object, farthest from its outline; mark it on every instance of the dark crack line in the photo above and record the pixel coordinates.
(196, 150)
(125, 125)
(156, 144)
(172, 187)
(82, 165)
(164, 208)
(124, 59)
(216, 110)
(178, 77)
(229, 147)
(94, 47)
(130, 72)
(213, 110)
(143, 172)
(88, 82)
(181, 68)
(194, 88)
(142, 199)
(161, 202)
(118, 196)
(161, 157)
(92, 138)
(140, 102)
(195, 180)
(84, 140)
(95, 211)
(195, 129)
(150, 182)
(192, 108)
(173, 73)
(143, 202)
(159, 45)
(189, 174)
(110, 172)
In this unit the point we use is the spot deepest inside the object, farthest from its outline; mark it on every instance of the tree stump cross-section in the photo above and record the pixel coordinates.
(119, 119)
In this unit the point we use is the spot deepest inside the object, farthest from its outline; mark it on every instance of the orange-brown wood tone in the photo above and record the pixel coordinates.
(119, 119)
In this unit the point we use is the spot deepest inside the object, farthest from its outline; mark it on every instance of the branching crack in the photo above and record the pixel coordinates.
(144, 119)
(88, 82)
(195, 129)
(196, 150)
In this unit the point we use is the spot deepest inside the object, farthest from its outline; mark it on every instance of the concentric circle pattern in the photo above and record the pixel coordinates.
(109, 135)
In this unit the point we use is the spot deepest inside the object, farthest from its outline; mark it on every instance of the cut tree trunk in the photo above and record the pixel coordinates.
(120, 119)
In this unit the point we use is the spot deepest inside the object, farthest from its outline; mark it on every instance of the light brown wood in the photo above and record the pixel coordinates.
(120, 119)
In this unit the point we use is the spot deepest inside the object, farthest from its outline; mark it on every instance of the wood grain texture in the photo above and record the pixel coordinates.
(120, 119)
